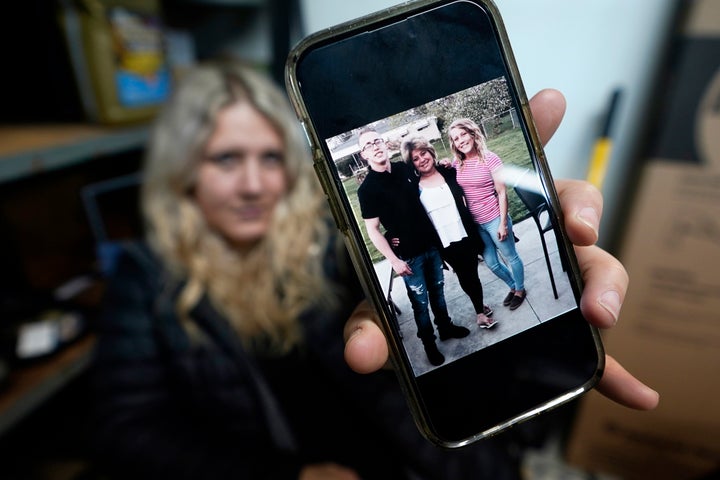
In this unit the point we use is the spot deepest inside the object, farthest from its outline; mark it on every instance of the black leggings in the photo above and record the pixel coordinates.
(463, 259)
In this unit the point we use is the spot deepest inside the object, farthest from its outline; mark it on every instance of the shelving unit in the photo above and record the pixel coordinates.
(26, 151)
(33, 149)
(28, 387)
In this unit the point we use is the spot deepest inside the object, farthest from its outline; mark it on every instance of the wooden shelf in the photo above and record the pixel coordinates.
(30, 386)
(33, 149)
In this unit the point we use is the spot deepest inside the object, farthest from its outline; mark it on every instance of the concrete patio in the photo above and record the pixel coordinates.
(540, 304)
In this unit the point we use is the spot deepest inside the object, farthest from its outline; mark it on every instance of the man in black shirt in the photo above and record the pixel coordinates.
(389, 198)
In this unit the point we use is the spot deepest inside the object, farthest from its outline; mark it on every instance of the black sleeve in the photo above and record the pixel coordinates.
(369, 205)
(142, 425)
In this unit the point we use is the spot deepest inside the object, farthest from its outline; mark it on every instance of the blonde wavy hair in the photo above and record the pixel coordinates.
(262, 291)
(474, 130)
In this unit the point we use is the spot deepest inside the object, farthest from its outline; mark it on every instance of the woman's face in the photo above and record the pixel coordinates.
(463, 140)
(242, 176)
(423, 161)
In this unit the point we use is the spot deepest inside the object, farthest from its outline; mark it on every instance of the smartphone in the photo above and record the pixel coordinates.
(433, 73)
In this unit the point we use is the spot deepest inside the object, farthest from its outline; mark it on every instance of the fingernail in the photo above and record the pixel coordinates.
(589, 217)
(653, 393)
(610, 301)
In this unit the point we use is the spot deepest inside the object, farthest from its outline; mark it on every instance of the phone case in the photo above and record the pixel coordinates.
(376, 289)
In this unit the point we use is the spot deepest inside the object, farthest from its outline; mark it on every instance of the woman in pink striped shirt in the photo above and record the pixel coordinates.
(478, 172)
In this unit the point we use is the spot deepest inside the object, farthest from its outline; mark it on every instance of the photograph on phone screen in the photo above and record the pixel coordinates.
(430, 186)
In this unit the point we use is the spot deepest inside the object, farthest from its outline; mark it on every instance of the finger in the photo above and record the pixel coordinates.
(582, 206)
(548, 109)
(620, 386)
(606, 282)
(366, 349)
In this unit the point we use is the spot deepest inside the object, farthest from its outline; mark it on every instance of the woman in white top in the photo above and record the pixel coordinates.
(443, 200)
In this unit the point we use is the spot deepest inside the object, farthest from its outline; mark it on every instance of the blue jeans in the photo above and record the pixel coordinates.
(425, 287)
(514, 277)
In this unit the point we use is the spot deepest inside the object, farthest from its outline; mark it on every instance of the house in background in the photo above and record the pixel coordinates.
(345, 150)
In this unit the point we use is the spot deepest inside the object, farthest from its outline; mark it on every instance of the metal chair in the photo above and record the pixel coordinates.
(536, 205)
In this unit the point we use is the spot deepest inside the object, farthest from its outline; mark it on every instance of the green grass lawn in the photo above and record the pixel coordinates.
(509, 146)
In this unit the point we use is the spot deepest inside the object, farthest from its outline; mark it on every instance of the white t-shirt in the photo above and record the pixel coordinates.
(441, 208)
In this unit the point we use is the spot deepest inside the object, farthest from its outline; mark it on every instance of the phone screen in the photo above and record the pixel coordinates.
(439, 82)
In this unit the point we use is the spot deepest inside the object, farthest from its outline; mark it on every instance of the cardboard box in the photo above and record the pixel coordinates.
(669, 335)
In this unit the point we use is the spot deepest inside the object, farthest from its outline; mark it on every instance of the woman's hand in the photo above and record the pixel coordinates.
(502, 232)
(604, 276)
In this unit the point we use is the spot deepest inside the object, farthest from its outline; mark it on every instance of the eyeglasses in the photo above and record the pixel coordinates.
(375, 143)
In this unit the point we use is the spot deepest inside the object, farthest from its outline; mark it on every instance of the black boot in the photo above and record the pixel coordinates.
(436, 358)
(452, 331)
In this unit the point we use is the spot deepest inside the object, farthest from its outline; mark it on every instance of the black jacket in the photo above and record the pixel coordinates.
(169, 407)
(450, 176)
(393, 198)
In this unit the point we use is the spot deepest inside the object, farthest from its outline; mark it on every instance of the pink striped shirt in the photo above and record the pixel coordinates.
(476, 180)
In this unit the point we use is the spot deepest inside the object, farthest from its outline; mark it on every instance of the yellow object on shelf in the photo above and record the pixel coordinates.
(116, 47)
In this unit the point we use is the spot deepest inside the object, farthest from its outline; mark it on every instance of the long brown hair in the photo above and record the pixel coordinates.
(413, 144)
